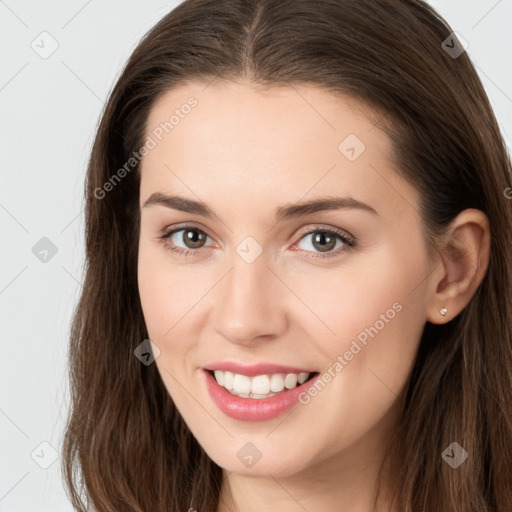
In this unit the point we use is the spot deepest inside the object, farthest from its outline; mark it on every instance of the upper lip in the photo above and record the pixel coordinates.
(251, 370)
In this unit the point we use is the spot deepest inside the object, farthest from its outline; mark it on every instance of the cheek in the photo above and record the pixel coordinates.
(161, 294)
(163, 305)
(171, 299)
(374, 288)
(375, 312)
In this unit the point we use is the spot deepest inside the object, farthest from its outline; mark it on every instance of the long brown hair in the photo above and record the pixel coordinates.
(126, 447)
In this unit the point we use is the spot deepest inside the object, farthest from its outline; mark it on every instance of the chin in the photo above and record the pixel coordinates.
(248, 460)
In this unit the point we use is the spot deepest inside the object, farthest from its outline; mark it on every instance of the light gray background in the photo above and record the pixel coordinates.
(49, 108)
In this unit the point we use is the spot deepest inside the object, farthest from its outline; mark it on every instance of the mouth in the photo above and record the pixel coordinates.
(259, 387)
(259, 397)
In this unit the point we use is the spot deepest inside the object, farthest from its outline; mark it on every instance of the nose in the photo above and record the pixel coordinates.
(250, 303)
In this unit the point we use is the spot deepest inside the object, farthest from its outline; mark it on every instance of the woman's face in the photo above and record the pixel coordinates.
(268, 291)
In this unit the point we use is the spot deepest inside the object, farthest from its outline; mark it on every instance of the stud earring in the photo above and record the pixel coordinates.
(443, 311)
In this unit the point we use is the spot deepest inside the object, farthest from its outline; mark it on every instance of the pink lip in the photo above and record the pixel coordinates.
(254, 369)
(248, 409)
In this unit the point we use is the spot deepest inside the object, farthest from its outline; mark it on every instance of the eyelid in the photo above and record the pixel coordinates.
(166, 232)
(300, 233)
(347, 239)
(338, 231)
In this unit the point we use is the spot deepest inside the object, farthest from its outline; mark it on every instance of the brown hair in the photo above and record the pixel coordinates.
(126, 447)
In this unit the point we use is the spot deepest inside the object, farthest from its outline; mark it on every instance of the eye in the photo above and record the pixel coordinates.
(192, 238)
(324, 241)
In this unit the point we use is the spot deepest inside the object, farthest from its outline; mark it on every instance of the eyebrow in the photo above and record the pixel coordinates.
(282, 213)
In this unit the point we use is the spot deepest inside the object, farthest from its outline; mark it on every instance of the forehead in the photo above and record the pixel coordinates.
(295, 140)
(241, 112)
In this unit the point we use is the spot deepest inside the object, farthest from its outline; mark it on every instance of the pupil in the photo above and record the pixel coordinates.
(322, 241)
(324, 238)
(193, 238)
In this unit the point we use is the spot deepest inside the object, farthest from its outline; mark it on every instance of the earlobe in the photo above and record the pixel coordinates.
(463, 263)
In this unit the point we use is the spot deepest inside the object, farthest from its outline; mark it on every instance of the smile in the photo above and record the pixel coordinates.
(261, 386)
(257, 397)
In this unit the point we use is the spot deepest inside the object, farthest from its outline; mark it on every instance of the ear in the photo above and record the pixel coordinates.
(462, 263)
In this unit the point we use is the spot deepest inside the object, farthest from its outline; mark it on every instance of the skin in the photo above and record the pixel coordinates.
(244, 151)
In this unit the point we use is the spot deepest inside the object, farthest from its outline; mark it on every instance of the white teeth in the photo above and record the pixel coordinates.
(290, 381)
(260, 386)
(228, 379)
(276, 383)
(219, 377)
(241, 383)
(303, 377)
(259, 397)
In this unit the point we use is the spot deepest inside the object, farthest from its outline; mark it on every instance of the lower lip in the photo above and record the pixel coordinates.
(249, 409)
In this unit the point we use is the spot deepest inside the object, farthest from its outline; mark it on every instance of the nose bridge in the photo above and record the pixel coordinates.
(246, 284)
(249, 302)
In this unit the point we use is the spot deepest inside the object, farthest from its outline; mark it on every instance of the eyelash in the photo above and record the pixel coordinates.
(349, 242)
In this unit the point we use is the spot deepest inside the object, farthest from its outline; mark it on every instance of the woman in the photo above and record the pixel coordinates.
(298, 290)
